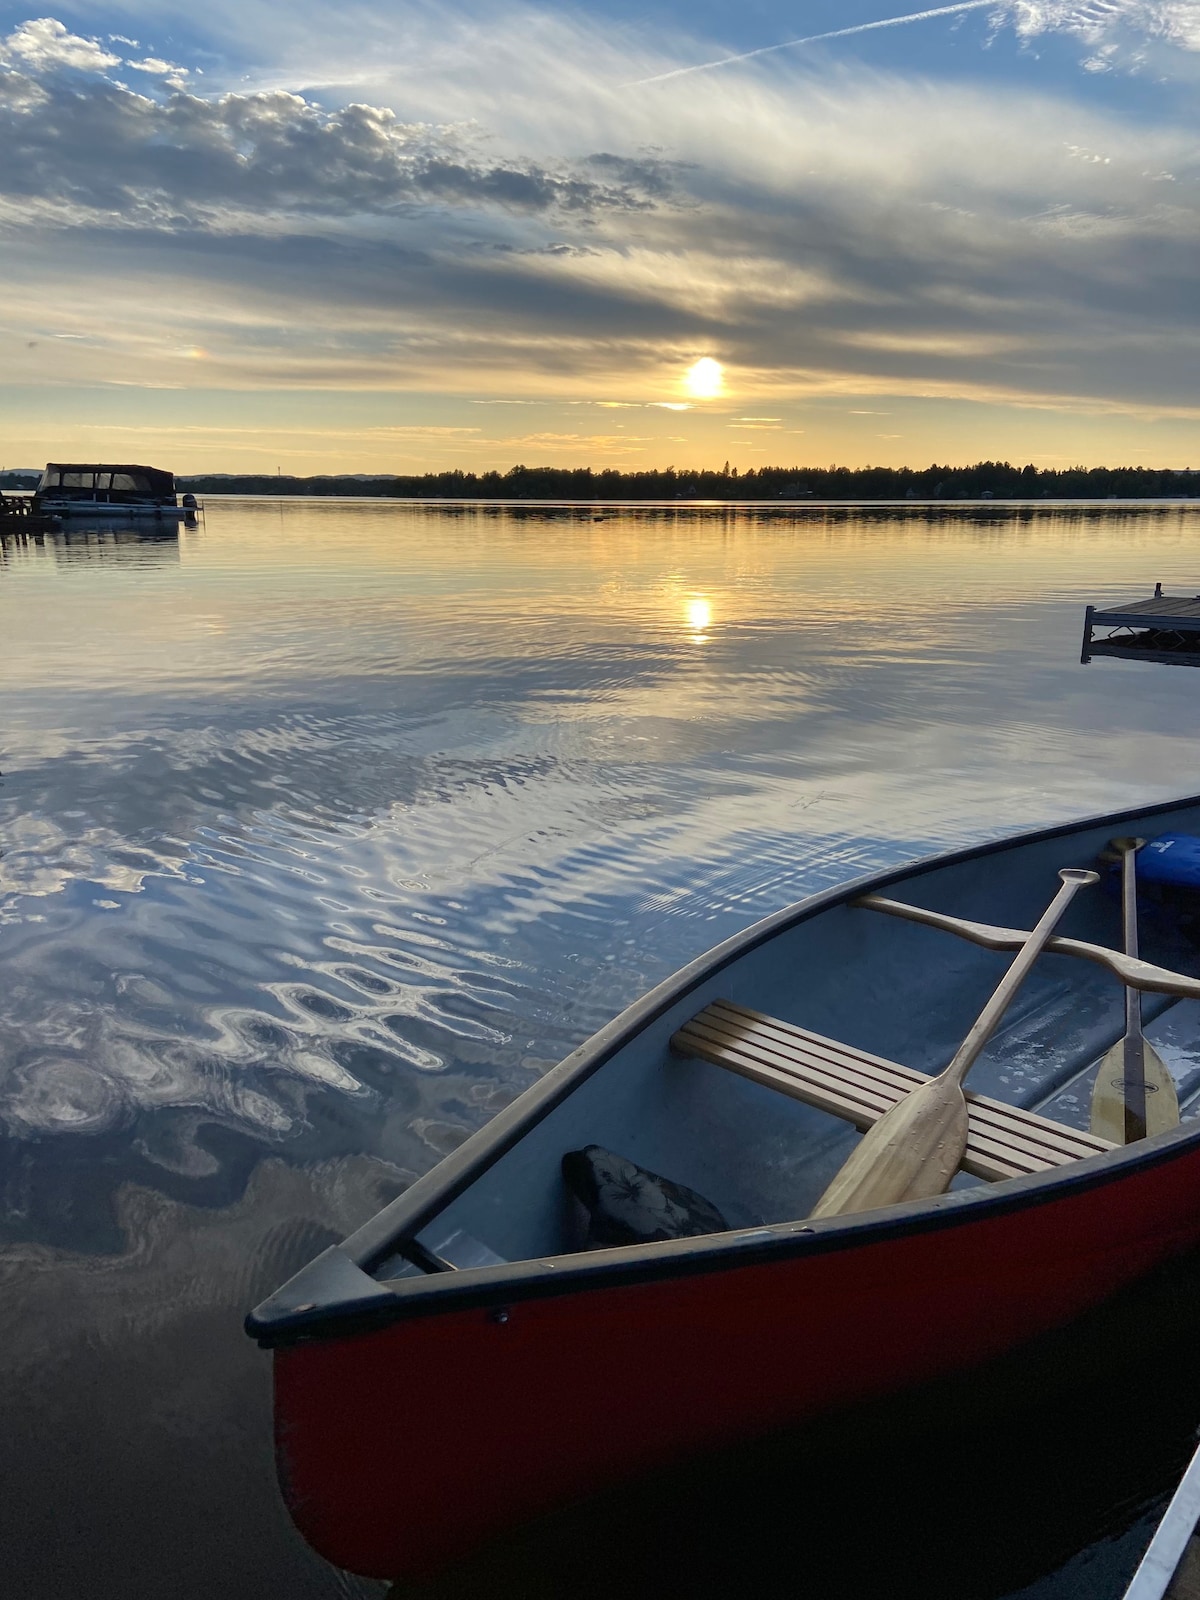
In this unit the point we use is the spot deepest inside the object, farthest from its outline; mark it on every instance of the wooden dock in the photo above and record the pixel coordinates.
(1164, 628)
(20, 519)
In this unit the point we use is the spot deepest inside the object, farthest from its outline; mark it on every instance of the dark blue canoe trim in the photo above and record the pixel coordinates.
(335, 1295)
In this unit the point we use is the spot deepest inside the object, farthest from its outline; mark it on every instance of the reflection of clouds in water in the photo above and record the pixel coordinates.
(48, 1095)
(44, 857)
(147, 1411)
(148, 1050)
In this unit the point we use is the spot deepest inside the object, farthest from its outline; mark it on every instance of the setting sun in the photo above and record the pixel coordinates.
(705, 379)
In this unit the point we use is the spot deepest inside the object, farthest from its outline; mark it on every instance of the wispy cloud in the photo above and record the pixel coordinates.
(817, 38)
(1101, 24)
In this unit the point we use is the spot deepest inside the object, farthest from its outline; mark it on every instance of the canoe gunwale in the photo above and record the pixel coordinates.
(334, 1296)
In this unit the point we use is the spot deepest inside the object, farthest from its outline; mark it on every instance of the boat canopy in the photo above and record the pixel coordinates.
(105, 478)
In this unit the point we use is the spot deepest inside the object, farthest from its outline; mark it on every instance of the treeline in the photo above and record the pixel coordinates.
(986, 480)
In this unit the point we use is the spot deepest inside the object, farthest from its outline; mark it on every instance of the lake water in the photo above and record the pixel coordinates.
(325, 828)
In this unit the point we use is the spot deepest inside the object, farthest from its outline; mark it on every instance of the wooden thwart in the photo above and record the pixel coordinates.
(1003, 1141)
(1134, 974)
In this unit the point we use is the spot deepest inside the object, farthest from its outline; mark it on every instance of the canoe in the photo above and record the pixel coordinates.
(462, 1364)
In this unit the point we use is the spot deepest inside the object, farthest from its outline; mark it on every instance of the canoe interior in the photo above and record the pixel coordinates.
(891, 987)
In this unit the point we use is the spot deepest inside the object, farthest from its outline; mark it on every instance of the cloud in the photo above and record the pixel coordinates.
(153, 64)
(45, 44)
(175, 77)
(104, 149)
(1097, 22)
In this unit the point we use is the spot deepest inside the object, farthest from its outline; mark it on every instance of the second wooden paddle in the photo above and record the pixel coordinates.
(915, 1149)
(1134, 1093)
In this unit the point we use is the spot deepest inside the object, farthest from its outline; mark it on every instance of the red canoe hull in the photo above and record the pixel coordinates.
(403, 1448)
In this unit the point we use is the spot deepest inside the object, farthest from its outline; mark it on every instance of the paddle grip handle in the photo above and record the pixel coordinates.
(1073, 879)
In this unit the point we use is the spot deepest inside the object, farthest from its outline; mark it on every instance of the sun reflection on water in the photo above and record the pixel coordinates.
(699, 616)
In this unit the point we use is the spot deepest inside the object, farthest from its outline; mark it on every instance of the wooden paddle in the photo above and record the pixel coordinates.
(1134, 1093)
(915, 1149)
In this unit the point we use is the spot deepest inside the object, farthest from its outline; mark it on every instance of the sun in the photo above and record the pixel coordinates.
(705, 379)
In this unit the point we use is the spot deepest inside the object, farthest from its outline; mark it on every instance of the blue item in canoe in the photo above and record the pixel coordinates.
(1171, 858)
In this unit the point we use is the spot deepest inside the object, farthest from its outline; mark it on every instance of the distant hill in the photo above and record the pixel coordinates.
(988, 480)
(20, 478)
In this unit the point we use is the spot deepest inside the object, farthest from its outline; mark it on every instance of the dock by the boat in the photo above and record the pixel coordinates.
(1163, 628)
(19, 516)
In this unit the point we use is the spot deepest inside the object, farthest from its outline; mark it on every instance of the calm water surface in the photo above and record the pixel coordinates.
(326, 828)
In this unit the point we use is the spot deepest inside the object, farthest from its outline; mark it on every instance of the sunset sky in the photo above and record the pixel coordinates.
(405, 236)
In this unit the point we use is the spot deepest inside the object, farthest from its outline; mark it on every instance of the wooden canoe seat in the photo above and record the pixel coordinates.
(1002, 1142)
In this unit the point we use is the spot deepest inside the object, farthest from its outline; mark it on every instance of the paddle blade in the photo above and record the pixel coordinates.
(909, 1154)
(1108, 1095)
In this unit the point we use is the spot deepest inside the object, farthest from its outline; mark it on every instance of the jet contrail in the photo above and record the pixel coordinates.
(816, 38)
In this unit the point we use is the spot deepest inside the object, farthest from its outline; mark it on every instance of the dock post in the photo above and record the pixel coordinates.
(1086, 655)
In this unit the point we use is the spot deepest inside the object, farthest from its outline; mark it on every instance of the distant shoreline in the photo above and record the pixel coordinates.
(949, 504)
(988, 480)
(934, 485)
